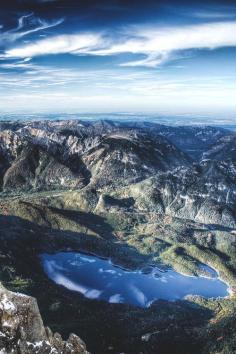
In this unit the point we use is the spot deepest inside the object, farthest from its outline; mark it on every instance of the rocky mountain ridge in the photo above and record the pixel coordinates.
(107, 155)
(128, 156)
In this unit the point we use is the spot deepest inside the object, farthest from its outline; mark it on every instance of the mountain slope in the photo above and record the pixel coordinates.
(69, 157)
(36, 169)
(205, 193)
(125, 157)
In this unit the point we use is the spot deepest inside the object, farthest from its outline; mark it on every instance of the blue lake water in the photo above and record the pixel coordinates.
(98, 278)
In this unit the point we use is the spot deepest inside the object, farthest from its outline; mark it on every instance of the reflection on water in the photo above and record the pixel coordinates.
(98, 278)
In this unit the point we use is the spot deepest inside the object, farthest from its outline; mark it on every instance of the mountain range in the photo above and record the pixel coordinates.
(135, 192)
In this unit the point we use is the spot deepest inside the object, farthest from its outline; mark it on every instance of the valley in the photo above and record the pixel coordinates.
(140, 194)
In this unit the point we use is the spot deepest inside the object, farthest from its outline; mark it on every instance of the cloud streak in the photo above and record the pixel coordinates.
(158, 44)
(74, 44)
(27, 24)
(155, 44)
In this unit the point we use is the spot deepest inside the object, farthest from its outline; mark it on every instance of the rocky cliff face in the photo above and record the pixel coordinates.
(22, 330)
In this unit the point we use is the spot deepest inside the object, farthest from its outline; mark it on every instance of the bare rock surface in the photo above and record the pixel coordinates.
(22, 330)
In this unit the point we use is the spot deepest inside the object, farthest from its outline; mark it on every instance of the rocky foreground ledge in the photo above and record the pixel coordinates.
(22, 330)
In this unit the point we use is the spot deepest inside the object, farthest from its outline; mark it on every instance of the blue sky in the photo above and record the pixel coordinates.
(170, 57)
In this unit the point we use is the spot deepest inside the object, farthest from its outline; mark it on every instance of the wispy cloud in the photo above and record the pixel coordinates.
(48, 89)
(158, 43)
(204, 14)
(207, 12)
(74, 44)
(27, 24)
(28, 77)
(155, 44)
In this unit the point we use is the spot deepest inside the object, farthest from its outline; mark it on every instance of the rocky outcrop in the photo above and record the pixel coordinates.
(22, 330)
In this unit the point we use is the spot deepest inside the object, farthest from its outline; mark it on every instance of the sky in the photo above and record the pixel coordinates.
(72, 56)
